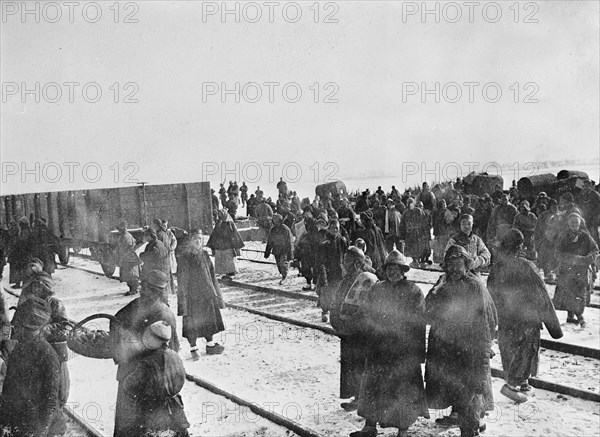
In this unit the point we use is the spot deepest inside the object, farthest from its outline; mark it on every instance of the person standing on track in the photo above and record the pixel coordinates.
(156, 257)
(523, 304)
(126, 332)
(281, 245)
(199, 297)
(391, 391)
(225, 241)
(577, 252)
(352, 343)
(463, 322)
(31, 391)
(153, 383)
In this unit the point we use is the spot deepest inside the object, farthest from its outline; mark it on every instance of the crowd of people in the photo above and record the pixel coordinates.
(354, 253)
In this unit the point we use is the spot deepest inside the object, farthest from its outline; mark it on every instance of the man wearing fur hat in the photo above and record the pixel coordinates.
(463, 321)
(523, 305)
(391, 391)
(127, 259)
(31, 392)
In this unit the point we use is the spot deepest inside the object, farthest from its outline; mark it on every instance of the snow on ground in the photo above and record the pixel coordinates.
(292, 370)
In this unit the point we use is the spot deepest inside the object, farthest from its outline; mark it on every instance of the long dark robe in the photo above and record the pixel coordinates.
(574, 282)
(45, 246)
(330, 256)
(135, 317)
(30, 395)
(392, 391)
(463, 320)
(352, 347)
(523, 305)
(375, 243)
(198, 296)
(153, 384)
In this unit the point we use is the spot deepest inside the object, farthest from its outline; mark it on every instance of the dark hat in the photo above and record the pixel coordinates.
(397, 258)
(456, 251)
(542, 194)
(195, 231)
(466, 217)
(151, 232)
(513, 239)
(366, 215)
(321, 223)
(34, 313)
(157, 222)
(43, 278)
(157, 279)
(36, 264)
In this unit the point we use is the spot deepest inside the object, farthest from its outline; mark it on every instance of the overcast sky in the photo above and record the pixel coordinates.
(371, 59)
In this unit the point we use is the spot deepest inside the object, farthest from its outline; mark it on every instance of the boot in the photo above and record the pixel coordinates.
(449, 421)
(513, 394)
(527, 390)
(367, 431)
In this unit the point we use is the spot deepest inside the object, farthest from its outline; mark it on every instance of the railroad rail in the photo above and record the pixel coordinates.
(276, 418)
(263, 300)
(79, 422)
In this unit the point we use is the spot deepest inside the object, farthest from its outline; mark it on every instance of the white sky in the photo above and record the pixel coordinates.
(369, 54)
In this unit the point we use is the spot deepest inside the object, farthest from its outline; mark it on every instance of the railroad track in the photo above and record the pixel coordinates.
(299, 309)
(78, 426)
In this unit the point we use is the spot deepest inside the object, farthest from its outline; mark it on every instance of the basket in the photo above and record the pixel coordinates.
(91, 343)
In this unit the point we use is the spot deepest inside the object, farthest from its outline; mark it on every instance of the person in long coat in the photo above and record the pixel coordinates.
(280, 244)
(155, 379)
(392, 392)
(545, 239)
(330, 256)
(374, 239)
(226, 242)
(156, 257)
(413, 232)
(577, 252)
(199, 297)
(463, 321)
(21, 250)
(352, 343)
(127, 330)
(127, 259)
(45, 245)
(523, 306)
(31, 391)
(525, 221)
(56, 331)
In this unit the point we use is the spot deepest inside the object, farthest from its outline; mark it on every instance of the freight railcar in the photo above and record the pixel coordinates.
(85, 218)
